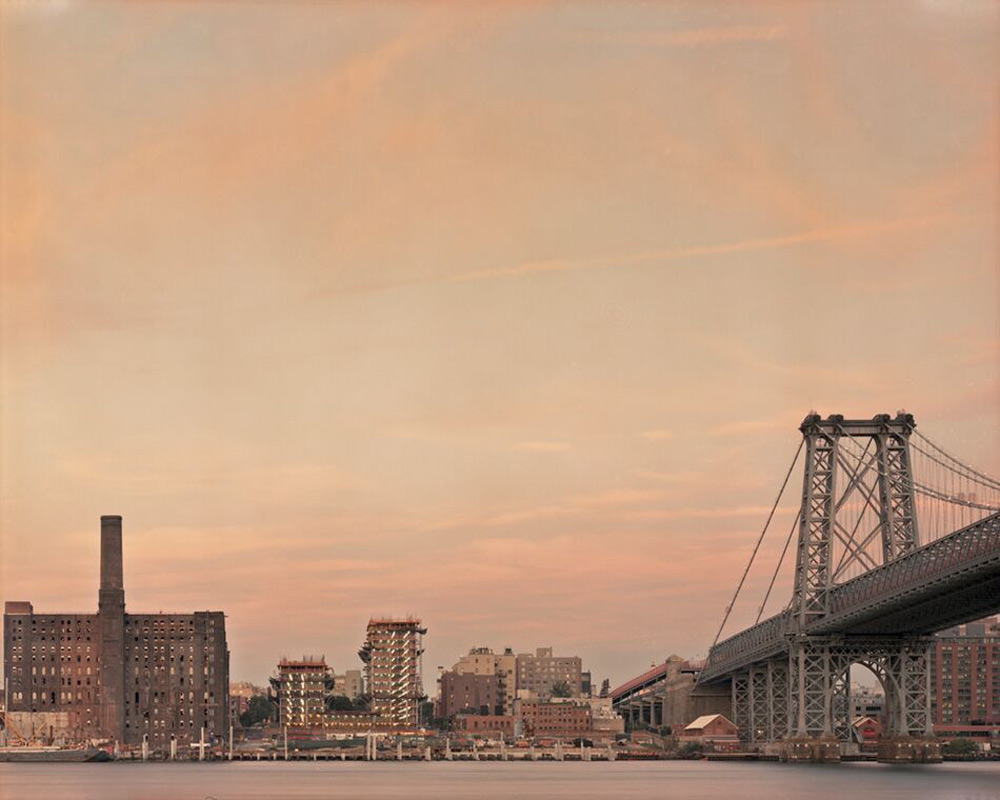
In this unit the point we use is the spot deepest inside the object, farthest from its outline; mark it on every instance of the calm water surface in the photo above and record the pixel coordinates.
(493, 781)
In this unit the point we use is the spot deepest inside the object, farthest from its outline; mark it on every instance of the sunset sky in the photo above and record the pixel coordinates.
(502, 315)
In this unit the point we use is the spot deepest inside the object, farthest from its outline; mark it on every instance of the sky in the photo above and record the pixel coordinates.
(501, 315)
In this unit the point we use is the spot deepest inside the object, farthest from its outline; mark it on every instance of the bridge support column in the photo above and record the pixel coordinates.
(741, 707)
(777, 700)
(752, 706)
(760, 711)
(909, 737)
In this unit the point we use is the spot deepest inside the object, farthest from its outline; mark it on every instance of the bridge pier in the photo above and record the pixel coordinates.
(909, 751)
(806, 749)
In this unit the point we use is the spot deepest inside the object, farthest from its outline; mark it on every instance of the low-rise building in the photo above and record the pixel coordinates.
(605, 722)
(712, 731)
(350, 684)
(524, 676)
(538, 673)
(490, 725)
(867, 702)
(477, 694)
(483, 661)
(867, 729)
(557, 718)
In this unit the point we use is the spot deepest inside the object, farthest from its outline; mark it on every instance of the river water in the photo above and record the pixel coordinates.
(697, 780)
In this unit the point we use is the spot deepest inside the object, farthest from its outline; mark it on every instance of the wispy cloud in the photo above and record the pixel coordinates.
(692, 37)
(751, 426)
(618, 497)
(667, 477)
(658, 435)
(497, 519)
(829, 234)
(543, 447)
(707, 513)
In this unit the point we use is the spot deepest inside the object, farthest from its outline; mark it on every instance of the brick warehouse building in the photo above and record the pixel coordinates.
(115, 675)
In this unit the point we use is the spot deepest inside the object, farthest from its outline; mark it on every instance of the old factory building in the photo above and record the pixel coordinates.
(115, 675)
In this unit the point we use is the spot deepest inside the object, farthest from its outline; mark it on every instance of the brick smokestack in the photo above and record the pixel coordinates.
(111, 555)
(111, 621)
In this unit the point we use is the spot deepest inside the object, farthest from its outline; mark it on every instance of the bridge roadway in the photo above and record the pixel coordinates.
(952, 580)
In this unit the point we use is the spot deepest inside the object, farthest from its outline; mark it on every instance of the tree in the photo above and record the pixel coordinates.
(363, 702)
(561, 689)
(427, 713)
(962, 748)
(340, 703)
(691, 750)
(260, 709)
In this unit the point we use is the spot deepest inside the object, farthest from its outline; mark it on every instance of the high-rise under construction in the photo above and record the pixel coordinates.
(392, 654)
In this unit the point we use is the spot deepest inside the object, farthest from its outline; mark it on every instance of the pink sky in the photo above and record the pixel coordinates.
(504, 316)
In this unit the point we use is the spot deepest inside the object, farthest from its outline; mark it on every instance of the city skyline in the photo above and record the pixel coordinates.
(504, 317)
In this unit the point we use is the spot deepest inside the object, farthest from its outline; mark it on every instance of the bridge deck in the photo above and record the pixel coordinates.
(949, 581)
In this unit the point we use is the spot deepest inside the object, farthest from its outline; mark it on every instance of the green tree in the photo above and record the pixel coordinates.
(363, 702)
(691, 750)
(963, 748)
(259, 710)
(340, 703)
(561, 689)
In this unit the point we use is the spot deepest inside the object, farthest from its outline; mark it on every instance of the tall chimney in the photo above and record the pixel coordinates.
(111, 621)
(111, 554)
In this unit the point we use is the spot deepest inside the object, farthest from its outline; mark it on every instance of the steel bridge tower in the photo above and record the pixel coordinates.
(804, 698)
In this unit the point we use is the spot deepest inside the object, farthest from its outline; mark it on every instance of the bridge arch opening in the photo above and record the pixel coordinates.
(866, 697)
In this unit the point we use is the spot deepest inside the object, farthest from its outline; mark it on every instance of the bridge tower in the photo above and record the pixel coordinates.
(819, 666)
(870, 588)
(803, 695)
(823, 496)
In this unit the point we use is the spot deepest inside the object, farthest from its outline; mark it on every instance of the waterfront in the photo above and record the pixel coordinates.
(421, 781)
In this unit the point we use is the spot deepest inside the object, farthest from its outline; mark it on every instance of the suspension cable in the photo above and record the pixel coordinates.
(947, 498)
(756, 547)
(971, 476)
(777, 569)
(989, 479)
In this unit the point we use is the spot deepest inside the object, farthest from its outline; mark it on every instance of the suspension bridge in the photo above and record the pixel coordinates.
(897, 539)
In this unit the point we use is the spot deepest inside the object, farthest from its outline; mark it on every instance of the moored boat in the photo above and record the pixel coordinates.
(46, 754)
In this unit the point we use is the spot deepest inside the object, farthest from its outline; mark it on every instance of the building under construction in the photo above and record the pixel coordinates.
(392, 655)
(302, 687)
